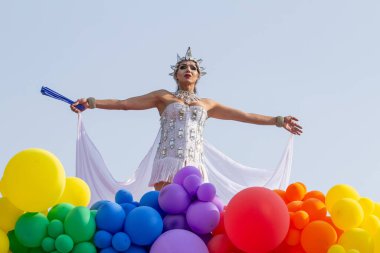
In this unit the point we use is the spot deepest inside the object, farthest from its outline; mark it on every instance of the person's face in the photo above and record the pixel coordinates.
(187, 72)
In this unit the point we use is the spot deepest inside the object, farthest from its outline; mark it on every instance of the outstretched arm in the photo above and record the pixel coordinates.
(143, 102)
(219, 111)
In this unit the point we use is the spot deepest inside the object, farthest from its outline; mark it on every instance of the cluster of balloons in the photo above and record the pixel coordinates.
(353, 224)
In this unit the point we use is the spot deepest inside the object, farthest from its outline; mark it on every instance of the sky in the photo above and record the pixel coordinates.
(316, 60)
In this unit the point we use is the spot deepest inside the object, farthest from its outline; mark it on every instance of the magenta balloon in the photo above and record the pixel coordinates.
(174, 199)
(202, 217)
(206, 192)
(216, 201)
(191, 184)
(184, 172)
(175, 221)
(179, 241)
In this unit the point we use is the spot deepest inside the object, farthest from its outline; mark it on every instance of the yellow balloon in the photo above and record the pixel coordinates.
(357, 238)
(347, 213)
(336, 248)
(9, 214)
(368, 206)
(376, 211)
(338, 192)
(76, 192)
(353, 251)
(376, 239)
(371, 224)
(33, 180)
(4, 242)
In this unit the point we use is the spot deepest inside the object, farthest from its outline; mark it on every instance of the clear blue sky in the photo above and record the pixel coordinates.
(317, 60)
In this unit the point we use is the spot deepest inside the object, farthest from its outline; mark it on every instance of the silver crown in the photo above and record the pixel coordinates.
(188, 57)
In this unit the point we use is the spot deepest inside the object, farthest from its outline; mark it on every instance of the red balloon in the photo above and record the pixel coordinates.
(256, 220)
(220, 228)
(220, 244)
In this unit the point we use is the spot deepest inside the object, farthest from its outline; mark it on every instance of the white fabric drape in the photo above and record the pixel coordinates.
(228, 176)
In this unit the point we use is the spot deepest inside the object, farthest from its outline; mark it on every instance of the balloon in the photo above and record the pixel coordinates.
(295, 191)
(347, 213)
(38, 174)
(80, 224)
(143, 224)
(206, 192)
(179, 241)
(367, 205)
(110, 217)
(376, 239)
(98, 204)
(282, 194)
(202, 217)
(315, 208)
(174, 199)
(376, 211)
(108, 250)
(60, 211)
(151, 199)
(293, 237)
(135, 249)
(220, 227)
(9, 214)
(127, 207)
(55, 228)
(357, 238)
(220, 244)
(4, 242)
(300, 219)
(76, 192)
(184, 172)
(316, 195)
(102, 239)
(328, 219)
(123, 196)
(175, 221)
(295, 206)
(121, 241)
(336, 248)
(38, 250)
(216, 201)
(338, 192)
(84, 247)
(15, 245)
(48, 244)
(371, 224)
(64, 243)
(352, 251)
(31, 228)
(191, 184)
(318, 237)
(256, 220)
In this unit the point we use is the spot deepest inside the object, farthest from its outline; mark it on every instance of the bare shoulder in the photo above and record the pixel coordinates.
(209, 103)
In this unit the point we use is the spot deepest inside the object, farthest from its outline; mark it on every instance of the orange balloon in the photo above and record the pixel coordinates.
(300, 219)
(295, 206)
(293, 237)
(316, 195)
(304, 186)
(328, 219)
(318, 237)
(315, 208)
(295, 191)
(282, 194)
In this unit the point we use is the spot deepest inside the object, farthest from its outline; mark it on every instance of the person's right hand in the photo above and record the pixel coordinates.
(81, 101)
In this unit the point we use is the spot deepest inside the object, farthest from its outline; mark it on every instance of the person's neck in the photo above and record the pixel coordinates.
(188, 87)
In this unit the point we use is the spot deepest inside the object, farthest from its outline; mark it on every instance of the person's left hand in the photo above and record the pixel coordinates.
(290, 124)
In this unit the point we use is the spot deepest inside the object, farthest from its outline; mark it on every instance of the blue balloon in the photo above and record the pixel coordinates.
(144, 225)
(102, 239)
(121, 241)
(98, 204)
(127, 207)
(123, 196)
(136, 203)
(151, 199)
(108, 250)
(135, 249)
(110, 217)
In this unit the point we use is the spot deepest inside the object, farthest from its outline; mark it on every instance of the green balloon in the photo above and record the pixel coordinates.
(48, 244)
(31, 229)
(84, 247)
(64, 243)
(80, 224)
(55, 228)
(15, 245)
(60, 211)
(37, 250)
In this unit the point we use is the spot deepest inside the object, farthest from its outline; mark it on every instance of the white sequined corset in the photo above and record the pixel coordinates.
(181, 141)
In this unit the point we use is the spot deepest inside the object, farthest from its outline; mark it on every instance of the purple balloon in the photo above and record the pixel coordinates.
(202, 217)
(191, 184)
(179, 241)
(206, 192)
(175, 221)
(216, 201)
(173, 199)
(184, 172)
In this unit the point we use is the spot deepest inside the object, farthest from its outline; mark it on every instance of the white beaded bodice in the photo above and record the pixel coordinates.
(182, 133)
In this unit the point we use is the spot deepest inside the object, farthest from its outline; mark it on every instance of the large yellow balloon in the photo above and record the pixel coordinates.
(338, 192)
(9, 214)
(368, 206)
(336, 248)
(371, 224)
(357, 238)
(376, 239)
(33, 180)
(76, 192)
(347, 213)
(376, 210)
(4, 242)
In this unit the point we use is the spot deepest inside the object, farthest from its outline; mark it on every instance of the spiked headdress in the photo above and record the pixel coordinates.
(188, 57)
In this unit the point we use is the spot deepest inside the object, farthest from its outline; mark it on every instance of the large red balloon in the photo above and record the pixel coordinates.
(256, 220)
(220, 244)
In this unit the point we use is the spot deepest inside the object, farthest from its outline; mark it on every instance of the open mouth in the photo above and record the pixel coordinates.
(187, 75)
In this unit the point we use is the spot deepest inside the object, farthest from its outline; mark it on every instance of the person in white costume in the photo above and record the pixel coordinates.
(180, 141)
